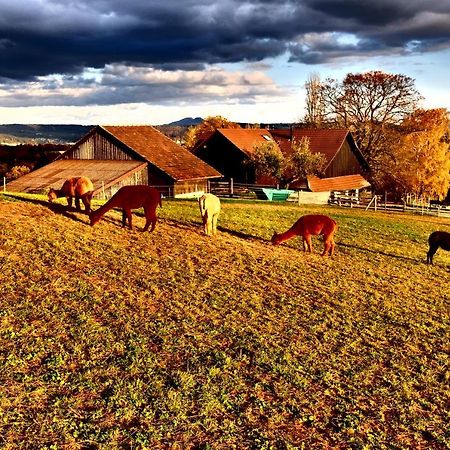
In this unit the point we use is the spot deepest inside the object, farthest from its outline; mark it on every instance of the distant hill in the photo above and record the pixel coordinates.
(186, 122)
(42, 134)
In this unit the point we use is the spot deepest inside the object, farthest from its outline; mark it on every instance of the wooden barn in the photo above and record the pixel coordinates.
(228, 150)
(115, 156)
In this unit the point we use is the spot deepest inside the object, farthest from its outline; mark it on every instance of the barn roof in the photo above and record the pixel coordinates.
(163, 153)
(246, 138)
(344, 183)
(102, 173)
(326, 141)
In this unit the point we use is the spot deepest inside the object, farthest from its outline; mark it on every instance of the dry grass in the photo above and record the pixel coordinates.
(118, 339)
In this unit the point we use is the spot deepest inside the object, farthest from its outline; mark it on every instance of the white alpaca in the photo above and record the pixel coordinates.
(210, 210)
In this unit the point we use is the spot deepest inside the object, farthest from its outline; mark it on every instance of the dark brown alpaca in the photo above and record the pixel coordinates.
(75, 188)
(307, 226)
(437, 239)
(128, 198)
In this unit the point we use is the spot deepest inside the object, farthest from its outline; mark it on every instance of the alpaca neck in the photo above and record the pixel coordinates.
(286, 235)
(105, 208)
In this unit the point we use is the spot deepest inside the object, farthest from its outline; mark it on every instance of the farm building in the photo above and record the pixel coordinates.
(228, 150)
(343, 156)
(115, 156)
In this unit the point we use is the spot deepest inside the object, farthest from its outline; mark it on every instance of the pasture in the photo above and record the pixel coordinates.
(118, 339)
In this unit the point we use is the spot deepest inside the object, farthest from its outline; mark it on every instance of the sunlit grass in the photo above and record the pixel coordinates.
(118, 339)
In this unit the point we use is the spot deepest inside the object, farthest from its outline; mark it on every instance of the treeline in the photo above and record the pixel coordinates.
(27, 157)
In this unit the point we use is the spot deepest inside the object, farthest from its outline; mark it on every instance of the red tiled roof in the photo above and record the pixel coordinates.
(326, 141)
(160, 151)
(343, 183)
(246, 138)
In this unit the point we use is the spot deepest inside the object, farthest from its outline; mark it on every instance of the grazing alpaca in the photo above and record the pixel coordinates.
(128, 198)
(209, 210)
(307, 226)
(78, 188)
(437, 239)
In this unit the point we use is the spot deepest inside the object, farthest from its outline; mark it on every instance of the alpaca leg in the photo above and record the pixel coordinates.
(305, 246)
(87, 202)
(333, 244)
(327, 247)
(127, 213)
(69, 202)
(430, 254)
(309, 243)
(214, 224)
(77, 203)
(210, 226)
(150, 220)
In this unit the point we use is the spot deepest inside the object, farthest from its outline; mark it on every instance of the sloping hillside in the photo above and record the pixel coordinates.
(111, 338)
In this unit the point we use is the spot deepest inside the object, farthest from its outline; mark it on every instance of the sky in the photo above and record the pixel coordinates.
(154, 62)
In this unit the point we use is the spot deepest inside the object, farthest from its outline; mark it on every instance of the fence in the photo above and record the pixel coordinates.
(378, 204)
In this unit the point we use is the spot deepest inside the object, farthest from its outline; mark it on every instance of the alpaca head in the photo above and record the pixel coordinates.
(52, 195)
(275, 239)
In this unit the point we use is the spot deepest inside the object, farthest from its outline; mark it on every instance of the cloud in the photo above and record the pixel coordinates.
(122, 84)
(100, 52)
(43, 37)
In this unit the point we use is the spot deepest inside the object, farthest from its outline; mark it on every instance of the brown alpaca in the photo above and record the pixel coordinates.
(307, 226)
(128, 198)
(78, 188)
(437, 239)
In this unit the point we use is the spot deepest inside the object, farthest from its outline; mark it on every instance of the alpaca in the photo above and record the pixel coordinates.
(78, 188)
(306, 226)
(209, 210)
(437, 239)
(128, 198)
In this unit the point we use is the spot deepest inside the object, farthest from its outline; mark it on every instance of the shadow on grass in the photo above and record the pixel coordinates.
(378, 252)
(197, 226)
(54, 207)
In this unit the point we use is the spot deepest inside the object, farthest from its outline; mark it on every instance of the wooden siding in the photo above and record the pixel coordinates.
(185, 187)
(139, 177)
(226, 158)
(344, 163)
(99, 148)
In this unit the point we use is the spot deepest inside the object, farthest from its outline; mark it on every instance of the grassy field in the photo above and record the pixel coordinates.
(111, 338)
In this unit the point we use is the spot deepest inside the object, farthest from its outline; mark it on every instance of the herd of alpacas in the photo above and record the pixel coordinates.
(132, 197)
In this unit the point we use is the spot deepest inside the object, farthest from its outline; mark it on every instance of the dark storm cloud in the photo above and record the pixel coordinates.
(38, 38)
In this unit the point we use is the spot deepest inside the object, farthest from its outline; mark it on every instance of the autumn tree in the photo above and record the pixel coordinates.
(211, 123)
(17, 171)
(368, 103)
(267, 159)
(419, 159)
(302, 162)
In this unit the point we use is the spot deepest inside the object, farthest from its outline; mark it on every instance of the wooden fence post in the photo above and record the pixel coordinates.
(4, 184)
(231, 187)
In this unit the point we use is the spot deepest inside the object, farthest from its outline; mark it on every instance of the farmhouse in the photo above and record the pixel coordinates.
(115, 156)
(228, 151)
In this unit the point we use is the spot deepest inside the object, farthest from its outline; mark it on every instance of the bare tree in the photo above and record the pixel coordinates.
(368, 102)
(315, 107)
